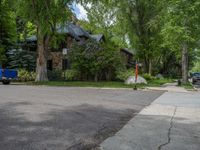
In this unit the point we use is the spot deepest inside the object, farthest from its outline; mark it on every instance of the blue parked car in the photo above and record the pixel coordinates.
(6, 75)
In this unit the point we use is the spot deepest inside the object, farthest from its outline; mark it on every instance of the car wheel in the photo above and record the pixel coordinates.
(6, 82)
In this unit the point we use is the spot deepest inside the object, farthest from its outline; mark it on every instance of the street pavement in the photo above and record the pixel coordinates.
(172, 122)
(60, 118)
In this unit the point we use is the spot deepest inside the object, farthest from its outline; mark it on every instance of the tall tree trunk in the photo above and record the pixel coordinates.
(146, 66)
(184, 62)
(41, 69)
(150, 67)
(108, 75)
(96, 77)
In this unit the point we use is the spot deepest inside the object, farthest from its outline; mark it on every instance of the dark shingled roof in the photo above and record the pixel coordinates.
(73, 30)
(31, 38)
(127, 51)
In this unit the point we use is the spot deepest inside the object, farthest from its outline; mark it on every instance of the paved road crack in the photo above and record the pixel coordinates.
(169, 131)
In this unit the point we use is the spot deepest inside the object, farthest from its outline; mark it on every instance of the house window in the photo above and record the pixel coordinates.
(50, 65)
(65, 64)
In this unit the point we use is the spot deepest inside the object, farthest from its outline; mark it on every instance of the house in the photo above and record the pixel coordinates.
(71, 32)
(56, 59)
(127, 57)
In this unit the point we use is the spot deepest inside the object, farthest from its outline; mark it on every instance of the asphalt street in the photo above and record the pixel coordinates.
(60, 118)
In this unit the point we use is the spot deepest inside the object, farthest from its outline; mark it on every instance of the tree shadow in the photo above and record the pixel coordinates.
(75, 128)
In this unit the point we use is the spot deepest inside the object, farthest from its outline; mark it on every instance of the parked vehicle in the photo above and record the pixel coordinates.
(195, 77)
(6, 75)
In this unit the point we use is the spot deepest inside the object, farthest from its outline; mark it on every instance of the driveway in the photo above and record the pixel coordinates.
(59, 118)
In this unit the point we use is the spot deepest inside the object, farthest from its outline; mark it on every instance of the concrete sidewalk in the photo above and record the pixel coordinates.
(169, 87)
(172, 122)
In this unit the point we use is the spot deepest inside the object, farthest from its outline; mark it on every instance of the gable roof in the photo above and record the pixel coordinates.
(31, 38)
(73, 30)
(127, 51)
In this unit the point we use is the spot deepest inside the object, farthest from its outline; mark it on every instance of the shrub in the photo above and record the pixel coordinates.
(94, 60)
(54, 75)
(24, 75)
(148, 77)
(123, 75)
(196, 67)
(70, 75)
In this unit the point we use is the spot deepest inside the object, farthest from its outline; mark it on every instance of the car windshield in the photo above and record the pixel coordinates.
(196, 74)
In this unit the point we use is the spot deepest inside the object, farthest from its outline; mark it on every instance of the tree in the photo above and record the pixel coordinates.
(45, 15)
(136, 22)
(144, 27)
(181, 29)
(94, 60)
(25, 29)
(7, 29)
(21, 59)
(101, 18)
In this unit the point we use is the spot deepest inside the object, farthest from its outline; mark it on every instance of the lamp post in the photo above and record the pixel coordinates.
(64, 51)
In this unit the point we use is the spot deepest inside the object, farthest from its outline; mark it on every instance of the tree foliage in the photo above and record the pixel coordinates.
(94, 61)
(159, 31)
(163, 34)
(101, 18)
(21, 59)
(45, 15)
(180, 31)
(7, 28)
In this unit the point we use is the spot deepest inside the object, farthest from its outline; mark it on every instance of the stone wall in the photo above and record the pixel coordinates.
(57, 59)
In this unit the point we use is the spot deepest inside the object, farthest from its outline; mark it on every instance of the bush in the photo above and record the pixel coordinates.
(70, 75)
(24, 75)
(123, 75)
(196, 67)
(95, 61)
(148, 77)
(54, 75)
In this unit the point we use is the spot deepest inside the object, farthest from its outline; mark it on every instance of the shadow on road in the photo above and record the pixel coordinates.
(79, 127)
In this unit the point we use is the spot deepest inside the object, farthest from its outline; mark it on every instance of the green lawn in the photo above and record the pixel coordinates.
(109, 84)
(187, 86)
(159, 82)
